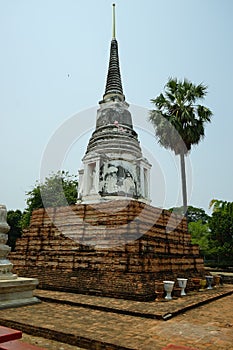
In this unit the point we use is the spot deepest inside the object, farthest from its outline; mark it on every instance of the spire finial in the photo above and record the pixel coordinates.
(113, 22)
(113, 89)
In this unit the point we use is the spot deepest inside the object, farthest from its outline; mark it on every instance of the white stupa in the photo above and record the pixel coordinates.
(114, 167)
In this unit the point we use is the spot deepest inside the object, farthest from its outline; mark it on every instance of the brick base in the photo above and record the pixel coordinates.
(115, 249)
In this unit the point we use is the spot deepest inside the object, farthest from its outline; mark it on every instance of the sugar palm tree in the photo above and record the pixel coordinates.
(179, 121)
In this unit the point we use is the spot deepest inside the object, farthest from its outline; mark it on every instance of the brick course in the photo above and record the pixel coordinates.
(110, 262)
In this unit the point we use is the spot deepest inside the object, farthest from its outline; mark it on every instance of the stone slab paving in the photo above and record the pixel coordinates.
(209, 326)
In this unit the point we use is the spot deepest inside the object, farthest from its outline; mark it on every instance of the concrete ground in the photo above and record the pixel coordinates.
(106, 323)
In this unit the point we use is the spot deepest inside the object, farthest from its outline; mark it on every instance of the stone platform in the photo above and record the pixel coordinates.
(202, 320)
(162, 310)
(17, 292)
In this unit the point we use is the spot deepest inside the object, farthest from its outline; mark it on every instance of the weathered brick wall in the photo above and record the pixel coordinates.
(109, 261)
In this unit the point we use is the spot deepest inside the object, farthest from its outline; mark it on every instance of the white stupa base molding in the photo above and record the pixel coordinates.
(17, 292)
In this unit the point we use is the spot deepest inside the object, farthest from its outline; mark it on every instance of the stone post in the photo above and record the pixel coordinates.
(14, 291)
(5, 264)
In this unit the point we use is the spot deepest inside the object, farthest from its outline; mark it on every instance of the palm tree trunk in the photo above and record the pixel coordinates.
(183, 179)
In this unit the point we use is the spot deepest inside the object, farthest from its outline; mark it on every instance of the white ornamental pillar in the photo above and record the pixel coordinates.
(5, 264)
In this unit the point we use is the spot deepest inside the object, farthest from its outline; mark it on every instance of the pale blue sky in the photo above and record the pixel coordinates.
(54, 59)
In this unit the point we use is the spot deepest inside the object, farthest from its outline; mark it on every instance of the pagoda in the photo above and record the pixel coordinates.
(114, 167)
(112, 242)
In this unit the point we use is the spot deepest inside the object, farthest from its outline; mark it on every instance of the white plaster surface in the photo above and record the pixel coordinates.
(14, 290)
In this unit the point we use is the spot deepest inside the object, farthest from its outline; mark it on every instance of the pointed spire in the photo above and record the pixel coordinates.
(113, 84)
(113, 22)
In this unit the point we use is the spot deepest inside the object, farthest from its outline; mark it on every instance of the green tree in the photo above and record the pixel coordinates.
(59, 189)
(220, 205)
(221, 227)
(193, 214)
(179, 121)
(200, 234)
(14, 218)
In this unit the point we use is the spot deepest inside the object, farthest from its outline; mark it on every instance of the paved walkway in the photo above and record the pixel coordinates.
(208, 327)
